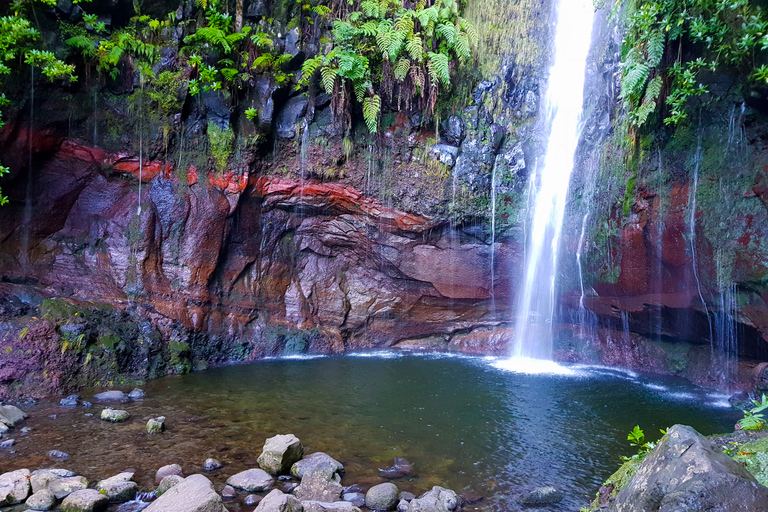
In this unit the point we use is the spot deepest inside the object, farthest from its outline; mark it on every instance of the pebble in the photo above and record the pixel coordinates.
(211, 465)
(26, 430)
(228, 492)
(136, 394)
(57, 454)
(252, 499)
(87, 404)
(70, 401)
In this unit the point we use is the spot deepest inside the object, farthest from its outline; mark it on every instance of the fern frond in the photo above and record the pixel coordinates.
(447, 32)
(634, 80)
(415, 48)
(371, 109)
(470, 30)
(360, 89)
(655, 47)
(404, 24)
(308, 69)
(439, 69)
(328, 78)
(370, 28)
(461, 47)
(370, 8)
(401, 69)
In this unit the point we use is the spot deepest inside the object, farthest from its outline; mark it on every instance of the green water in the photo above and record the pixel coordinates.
(463, 423)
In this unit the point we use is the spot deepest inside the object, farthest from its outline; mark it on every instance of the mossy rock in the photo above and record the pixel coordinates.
(754, 455)
(617, 481)
(60, 310)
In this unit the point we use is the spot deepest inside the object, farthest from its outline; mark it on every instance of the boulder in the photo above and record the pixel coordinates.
(118, 488)
(400, 468)
(8, 443)
(10, 415)
(228, 492)
(438, 499)
(111, 396)
(63, 487)
(276, 501)
(444, 154)
(156, 425)
(70, 401)
(452, 130)
(85, 500)
(313, 459)
(170, 469)
(211, 465)
(542, 496)
(136, 394)
(41, 500)
(686, 472)
(14, 487)
(41, 478)
(168, 482)
(252, 480)
(289, 116)
(114, 415)
(321, 483)
(194, 494)
(382, 497)
(280, 453)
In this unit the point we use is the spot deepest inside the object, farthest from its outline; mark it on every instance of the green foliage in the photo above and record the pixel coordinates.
(754, 419)
(727, 34)
(636, 438)
(383, 47)
(222, 144)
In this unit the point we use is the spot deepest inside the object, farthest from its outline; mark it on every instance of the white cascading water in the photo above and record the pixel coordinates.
(563, 107)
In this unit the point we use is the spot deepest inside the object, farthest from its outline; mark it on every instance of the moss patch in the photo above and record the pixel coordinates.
(754, 456)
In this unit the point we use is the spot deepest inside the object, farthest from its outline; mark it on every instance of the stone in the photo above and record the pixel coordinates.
(444, 154)
(136, 394)
(400, 468)
(170, 469)
(14, 487)
(402, 505)
(58, 454)
(3, 429)
(211, 465)
(43, 499)
(119, 488)
(312, 460)
(111, 396)
(252, 499)
(41, 478)
(452, 130)
(355, 498)
(407, 496)
(194, 494)
(382, 497)
(63, 487)
(542, 496)
(276, 501)
(228, 492)
(87, 405)
(156, 425)
(70, 401)
(168, 482)
(289, 116)
(336, 506)
(85, 500)
(280, 453)
(252, 480)
(10, 415)
(114, 415)
(63, 473)
(321, 483)
(8, 443)
(686, 472)
(438, 499)
(289, 487)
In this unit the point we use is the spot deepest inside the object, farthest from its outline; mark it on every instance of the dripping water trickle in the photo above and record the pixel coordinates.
(25, 259)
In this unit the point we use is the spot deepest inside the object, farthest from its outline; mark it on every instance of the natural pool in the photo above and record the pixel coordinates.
(464, 423)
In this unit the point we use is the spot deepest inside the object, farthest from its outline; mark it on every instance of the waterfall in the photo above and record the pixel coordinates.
(27, 222)
(562, 111)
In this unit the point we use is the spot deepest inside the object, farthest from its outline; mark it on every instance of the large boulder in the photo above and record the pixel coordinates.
(85, 500)
(63, 487)
(382, 497)
(14, 487)
(41, 500)
(252, 480)
(10, 415)
(280, 453)
(311, 461)
(438, 499)
(111, 396)
(686, 472)
(194, 494)
(41, 478)
(276, 501)
(322, 483)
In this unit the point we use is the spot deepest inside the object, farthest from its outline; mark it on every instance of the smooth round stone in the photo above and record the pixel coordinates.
(542, 496)
(289, 487)
(41, 478)
(111, 396)
(168, 482)
(252, 499)
(43, 499)
(136, 394)
(251, 480)
(114, 415)
(228, 492)
(355, 498)
(382, 497)
(170, 469)
(211, 465)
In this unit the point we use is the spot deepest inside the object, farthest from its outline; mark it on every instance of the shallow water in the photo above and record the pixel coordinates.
(470, 424)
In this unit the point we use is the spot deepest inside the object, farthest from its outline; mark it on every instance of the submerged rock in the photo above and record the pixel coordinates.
(85, 500)
(687, 472)
(58, 454)
(400, 468)
(252, 499)
(276, 501)
(336, 506)
(542, 496)
(252, 480)
(228, 492)
(311, 461)
(10, 415)
(70, 401)
(170, 469)
(382, 497)
(43, 499)
(14, 487)
(8, 443)
(194, 494)
(156, 425)
(111, 396)
(280, 453)
(114, 415)
(355, 498)
(136, 394)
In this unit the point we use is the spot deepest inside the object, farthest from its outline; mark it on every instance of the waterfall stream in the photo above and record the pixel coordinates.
(563, 107)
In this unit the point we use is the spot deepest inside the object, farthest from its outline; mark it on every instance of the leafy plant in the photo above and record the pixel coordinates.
(754, 419)
(636, 438)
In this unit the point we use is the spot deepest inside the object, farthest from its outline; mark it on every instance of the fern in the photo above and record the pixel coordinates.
(447, 32)
(401, 69)
(308, 69)
(655, 47)
(634, 80)
(84, 44)
(439, 69)
(371, 109)
(328, 78)
(470, 31)
(370, 28)
(415, 48)
(370, 9)
(461, 46)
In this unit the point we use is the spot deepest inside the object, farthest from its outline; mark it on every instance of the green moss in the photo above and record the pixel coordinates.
(60, 310)
(222, 144)
(180, 356)
(108, 341)
(619, 480)
(754, 456)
